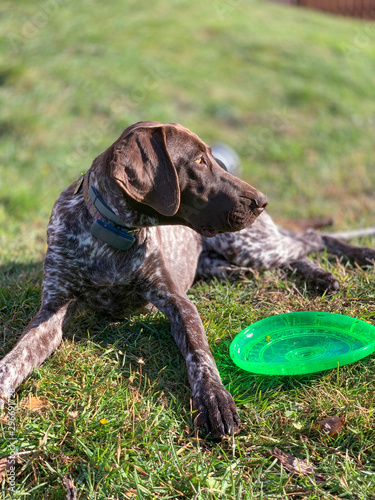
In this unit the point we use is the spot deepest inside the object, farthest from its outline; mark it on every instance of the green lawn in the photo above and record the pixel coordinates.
(293, 91)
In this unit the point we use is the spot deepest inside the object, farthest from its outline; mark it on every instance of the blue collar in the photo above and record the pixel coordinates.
(107, 226)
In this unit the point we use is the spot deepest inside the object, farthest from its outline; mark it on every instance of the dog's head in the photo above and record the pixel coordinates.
(168, 169)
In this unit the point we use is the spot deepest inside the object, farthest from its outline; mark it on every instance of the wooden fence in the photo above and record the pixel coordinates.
(352, 8)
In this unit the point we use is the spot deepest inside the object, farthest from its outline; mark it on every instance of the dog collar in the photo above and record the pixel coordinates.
(107, 226)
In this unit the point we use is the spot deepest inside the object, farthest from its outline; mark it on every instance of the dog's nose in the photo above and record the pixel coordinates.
(259, 204)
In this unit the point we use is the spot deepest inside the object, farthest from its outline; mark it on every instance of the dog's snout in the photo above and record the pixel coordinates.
(258, 204)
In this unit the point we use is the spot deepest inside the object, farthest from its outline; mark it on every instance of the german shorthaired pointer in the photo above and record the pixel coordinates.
(154, 211)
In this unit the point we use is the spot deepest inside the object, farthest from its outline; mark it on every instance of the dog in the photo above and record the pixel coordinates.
(154, 212)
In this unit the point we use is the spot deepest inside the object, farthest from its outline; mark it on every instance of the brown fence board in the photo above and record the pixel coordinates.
(352, 8)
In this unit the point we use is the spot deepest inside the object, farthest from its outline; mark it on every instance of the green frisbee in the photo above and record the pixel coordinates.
(302, 342)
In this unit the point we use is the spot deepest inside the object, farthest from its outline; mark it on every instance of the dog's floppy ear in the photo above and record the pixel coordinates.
(143, 167)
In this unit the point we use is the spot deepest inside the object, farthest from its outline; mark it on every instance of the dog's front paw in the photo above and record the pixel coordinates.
(216, 412)
(325, 282)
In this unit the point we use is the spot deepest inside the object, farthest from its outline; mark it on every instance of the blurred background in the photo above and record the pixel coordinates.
(290, 89)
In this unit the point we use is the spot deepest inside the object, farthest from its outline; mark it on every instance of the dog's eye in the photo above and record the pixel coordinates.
(200, 161)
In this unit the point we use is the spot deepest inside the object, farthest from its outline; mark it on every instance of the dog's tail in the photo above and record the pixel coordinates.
(350, 235)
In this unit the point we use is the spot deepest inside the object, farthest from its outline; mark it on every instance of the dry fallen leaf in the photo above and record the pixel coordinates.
(4, 467)
(71, 489)
(293, 464)
(330, 425)
(297, 465)
(33, 403)
(344, 482)
(7, 465)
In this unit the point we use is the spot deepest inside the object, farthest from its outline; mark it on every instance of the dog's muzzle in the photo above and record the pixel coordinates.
(245, 212)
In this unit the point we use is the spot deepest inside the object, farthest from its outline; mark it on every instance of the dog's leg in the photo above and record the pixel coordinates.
(263, 245)
(212, 265)
(319, 279)
(216, 411)
(41, 337)
(361, 256)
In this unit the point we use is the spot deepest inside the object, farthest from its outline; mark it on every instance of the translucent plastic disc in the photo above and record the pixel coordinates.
(302, 342)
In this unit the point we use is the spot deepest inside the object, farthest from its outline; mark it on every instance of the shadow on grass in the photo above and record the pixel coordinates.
(20, 289)
(245, 385)
(146, 339)
(21, 273)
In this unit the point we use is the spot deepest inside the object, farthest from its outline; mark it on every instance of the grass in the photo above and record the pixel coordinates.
(292, 91)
